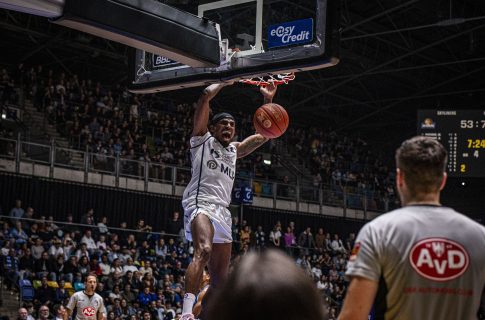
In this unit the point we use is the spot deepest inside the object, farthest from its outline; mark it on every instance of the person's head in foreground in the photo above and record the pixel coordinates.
(421, 165)
(267, 286)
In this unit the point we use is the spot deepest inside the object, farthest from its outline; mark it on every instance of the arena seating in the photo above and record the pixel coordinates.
(109, 121)
(56, 257)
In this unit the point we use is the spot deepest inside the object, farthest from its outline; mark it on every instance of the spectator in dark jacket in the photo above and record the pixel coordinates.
(44, 295)
(44, 267)
(305, 241)
(61, 293)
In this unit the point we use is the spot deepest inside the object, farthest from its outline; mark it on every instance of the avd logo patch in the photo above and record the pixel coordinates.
(439, 259)
(89, 312)
(289, 33)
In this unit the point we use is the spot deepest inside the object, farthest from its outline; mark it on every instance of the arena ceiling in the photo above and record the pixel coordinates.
(397, 56)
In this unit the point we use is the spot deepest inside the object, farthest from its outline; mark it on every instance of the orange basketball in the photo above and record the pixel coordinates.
(271, 120)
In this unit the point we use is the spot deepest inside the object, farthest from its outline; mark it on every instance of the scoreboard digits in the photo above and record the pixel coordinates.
(462, 132)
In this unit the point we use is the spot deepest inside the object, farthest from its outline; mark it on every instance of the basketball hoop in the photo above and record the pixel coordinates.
(269, 78)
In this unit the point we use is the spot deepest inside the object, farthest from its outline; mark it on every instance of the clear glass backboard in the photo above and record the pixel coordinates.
(257, 37)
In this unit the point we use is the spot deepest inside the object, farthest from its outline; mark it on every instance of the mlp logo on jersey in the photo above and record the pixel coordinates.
(211, 164)
(89, 312)
(439, 259)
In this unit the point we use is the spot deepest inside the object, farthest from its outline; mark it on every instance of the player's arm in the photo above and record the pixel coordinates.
(101, 315)
(249, 144)
(268, 92)
(201, 114)
(102, 311)
(70, 306)
(255, 141)
(359, 299)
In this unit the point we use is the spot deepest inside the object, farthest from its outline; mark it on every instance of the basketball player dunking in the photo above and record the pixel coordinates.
(208, 194)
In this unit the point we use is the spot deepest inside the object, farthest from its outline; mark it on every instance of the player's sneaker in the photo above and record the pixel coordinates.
(187, 316)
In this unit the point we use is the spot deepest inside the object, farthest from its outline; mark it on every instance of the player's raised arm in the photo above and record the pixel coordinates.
(268, 92)
(249, 144)
(201, 114)
(255, 141)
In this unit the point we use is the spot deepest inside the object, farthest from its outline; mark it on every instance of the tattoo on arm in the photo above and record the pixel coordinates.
(250, 144)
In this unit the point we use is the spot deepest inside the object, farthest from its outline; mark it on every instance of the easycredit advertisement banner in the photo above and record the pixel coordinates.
(290, 33)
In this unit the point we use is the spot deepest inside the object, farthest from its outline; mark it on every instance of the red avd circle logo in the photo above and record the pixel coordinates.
(89, 312)
(439, 259)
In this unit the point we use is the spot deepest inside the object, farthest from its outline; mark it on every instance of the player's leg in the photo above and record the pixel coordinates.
(202, 236)
(218, 269)
(219, 263)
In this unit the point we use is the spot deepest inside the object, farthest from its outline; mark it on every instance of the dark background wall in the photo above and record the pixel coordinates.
(466, 196)
(50, 197)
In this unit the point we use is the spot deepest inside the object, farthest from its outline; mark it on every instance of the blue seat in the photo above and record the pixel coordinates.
(26, 290)
(78, 286)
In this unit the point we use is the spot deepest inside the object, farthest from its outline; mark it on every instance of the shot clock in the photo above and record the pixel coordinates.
(462, 133)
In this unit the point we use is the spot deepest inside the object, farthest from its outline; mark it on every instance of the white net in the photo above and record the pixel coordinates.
(269, 78)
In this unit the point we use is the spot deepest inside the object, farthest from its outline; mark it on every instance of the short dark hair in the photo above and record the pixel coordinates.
(423, 161)
(91, 275)
(57, 307)
(267, 286)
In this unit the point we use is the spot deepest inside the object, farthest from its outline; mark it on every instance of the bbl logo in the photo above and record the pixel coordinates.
(439, 259)
(211, 164)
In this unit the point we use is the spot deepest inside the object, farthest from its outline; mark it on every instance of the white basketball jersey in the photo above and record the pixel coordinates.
(213, 171)
(429, 262)
(87, 306)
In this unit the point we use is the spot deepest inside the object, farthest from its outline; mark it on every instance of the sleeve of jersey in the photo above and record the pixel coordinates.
(365, 257)
(196, 141)
(102, 308)
(72, 302)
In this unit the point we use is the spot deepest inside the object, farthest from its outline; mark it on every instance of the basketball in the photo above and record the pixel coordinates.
(271, 120)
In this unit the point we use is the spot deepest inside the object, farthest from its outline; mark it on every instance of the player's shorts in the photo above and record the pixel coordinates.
(219, 215)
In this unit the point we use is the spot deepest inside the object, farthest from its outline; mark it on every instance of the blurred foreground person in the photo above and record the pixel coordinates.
(267, 286)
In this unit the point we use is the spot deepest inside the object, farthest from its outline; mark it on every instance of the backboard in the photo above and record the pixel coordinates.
(257, 37)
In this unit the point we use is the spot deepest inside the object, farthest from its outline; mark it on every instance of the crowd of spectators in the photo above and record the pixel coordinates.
(8, 93)
(141, 270)
(9, 97)
(345, 162)
(110, 121)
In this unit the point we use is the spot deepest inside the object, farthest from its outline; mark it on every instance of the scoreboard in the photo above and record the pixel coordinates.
(462, 133)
